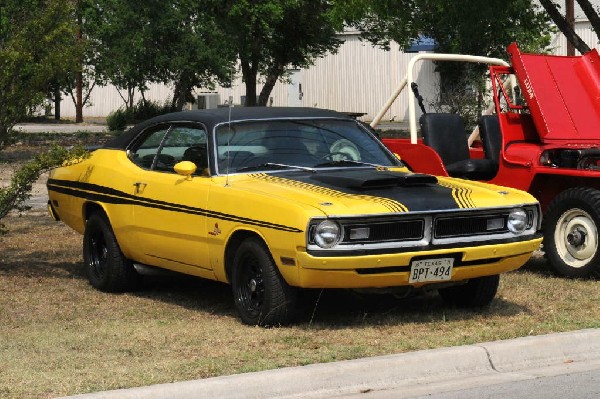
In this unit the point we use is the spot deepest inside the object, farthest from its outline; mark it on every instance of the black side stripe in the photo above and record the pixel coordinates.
(108, 195)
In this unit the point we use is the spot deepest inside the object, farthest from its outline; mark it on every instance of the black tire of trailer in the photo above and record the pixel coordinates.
(575, 211)
(106, 267)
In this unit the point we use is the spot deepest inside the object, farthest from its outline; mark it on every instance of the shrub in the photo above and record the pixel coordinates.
(142, 110)
(117, 120)
(19, 190)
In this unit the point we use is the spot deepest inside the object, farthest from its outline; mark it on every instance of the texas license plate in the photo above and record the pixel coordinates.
(436, 269)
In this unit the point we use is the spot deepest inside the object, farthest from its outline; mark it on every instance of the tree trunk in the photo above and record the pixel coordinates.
(181, 94)
(79, 78)
(182, 90)
(249, 73)
(591, 14)
(57, 100)
(79, 98)
(270, 82)
(564, 27)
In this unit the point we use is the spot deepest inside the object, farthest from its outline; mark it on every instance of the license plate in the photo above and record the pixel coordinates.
(425, 270)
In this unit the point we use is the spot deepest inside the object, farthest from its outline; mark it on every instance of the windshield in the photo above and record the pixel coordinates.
(288, 144)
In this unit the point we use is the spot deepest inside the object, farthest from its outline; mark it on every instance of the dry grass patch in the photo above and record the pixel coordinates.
(59, 336)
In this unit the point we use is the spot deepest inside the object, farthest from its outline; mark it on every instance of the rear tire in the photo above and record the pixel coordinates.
(571, 233)
(476, 293)
(106, 267)
(261, 295)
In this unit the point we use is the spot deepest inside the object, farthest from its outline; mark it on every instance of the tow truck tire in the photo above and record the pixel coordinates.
(476, 293)
(570, 230)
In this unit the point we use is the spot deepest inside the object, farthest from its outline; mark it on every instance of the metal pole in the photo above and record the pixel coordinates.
(570, 17)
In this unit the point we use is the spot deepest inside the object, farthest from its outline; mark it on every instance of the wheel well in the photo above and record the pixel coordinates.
(90, 208)
(546, 187)
(232, 245)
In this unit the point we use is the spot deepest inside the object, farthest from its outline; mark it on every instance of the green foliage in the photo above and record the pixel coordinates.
(142, 110)
(37, 47)
(13, 197)
(136, 43)
(461, 26)
(117, 120)
(270, 36)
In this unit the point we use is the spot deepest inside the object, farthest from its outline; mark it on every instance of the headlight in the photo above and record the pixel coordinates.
(327, 234)
(517, 221)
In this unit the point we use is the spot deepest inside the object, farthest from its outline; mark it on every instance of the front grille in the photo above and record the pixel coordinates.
(394, 231)
(468, 226)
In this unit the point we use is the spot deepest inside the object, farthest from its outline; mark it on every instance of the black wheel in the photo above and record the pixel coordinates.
(571, 232)
(106, 267)
(477, 292)
(261, 295)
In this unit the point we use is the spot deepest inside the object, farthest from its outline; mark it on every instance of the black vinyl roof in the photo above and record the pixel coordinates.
(212, 117)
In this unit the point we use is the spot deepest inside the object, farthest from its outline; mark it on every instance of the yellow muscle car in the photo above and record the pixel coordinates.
(272, 200)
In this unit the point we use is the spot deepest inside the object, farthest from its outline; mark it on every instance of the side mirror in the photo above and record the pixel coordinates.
(185, 168)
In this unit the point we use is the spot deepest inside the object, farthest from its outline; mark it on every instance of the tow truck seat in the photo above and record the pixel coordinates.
(445, 133)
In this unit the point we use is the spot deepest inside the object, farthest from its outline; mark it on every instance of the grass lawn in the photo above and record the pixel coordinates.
(59, 336)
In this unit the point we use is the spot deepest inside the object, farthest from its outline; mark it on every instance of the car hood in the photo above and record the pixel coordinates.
(378, 191)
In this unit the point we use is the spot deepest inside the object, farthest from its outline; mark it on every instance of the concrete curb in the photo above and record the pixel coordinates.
(382, 372)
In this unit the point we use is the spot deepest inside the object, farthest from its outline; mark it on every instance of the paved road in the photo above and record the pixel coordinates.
(543, 367)
(567, 381)
(60, 127)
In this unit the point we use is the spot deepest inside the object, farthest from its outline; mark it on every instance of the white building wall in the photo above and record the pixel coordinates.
(359, 78)
(584, 30)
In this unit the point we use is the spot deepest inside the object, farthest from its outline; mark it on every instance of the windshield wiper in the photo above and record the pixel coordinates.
(344, 162)
(273, 165)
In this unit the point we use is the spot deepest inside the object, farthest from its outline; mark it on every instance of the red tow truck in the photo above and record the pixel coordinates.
(548, 144)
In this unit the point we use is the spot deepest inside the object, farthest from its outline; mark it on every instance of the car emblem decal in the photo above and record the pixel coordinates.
(216, 231)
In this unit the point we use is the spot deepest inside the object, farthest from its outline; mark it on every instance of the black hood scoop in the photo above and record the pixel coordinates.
(371, 179)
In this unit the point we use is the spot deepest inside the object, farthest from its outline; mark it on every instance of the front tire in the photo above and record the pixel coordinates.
(476, 293)
(106, 267)
(571, 233)
(261, 295)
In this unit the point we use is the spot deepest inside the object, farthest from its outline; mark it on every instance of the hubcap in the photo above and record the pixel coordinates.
(576, 237)
(98, 255)
(250, 293)
(253, 285)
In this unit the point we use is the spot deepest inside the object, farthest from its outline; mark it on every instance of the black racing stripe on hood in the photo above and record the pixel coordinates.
(94, 192)
(426, 195)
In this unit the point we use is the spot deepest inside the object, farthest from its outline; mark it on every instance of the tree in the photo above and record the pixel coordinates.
(120, 34)
(176, 42)
(271, 35)
(37, 48)
(460, 27)
(14, 195)
(194, 52)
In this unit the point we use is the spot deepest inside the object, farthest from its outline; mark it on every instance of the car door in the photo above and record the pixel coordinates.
(169, 210)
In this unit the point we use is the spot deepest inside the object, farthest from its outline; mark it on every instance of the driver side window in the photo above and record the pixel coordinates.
(164, 146)
(146, 151)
